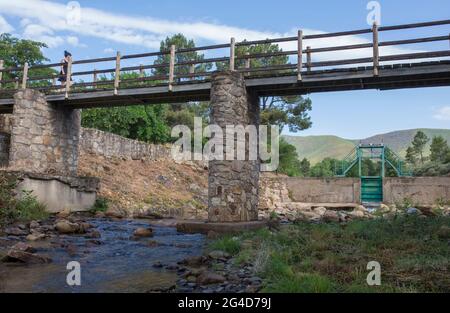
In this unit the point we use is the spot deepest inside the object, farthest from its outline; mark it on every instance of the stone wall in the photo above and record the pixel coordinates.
(44, 138)
(233, 184)
(110, 145)
(420, 190)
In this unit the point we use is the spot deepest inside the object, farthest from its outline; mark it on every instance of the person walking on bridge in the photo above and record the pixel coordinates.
(64, 67)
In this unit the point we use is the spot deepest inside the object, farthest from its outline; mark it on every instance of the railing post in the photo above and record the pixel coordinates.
(247, 63)
(94, 79)
(299, 55)
(141, 73)
(376, 50)
(232, 53)
(1, 72)
(171, 67)
(16, 83)
(308, 58)
(117, 74)
(192, 70)
(68, 77)
(25, 76)
(53, 81)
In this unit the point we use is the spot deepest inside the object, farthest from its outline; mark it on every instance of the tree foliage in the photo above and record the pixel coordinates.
(16, 52)
(439, 149)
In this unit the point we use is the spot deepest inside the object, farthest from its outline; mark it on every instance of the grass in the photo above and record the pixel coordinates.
(413, 253)
(12, 209)
(101, 205)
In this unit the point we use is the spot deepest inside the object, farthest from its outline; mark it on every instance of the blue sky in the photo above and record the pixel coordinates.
(138, 26)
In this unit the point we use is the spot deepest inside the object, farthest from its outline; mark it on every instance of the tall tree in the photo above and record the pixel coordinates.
(419, 142)
(411, 156)
(180, 42)
(305, 166)
(439, 149)
(16, 52)
(289, 163)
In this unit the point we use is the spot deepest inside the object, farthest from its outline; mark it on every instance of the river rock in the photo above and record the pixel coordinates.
(22, 246)
(35, 236)
(356, 214)
(320, 210)
(331, 216)
(413, 211)
(194, 261)
(94, 234)
(143, 232)
(218, 255)
(65, 227)
(15, 231)
(34, 224)
(208, 278)
(115, 213)
(64, 213)
(25, 257)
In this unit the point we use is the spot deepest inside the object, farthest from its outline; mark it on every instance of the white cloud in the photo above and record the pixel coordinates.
(442, 114)
(108, 50)
(148, 31)
(42, 33)
(5, 27)
(74, 41)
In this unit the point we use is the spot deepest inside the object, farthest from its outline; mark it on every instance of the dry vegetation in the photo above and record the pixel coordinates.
(164, 186)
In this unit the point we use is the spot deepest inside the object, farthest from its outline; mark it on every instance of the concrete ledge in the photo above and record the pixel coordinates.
(203, 227)
(57, 192)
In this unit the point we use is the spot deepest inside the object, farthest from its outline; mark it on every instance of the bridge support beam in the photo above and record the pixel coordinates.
(233, 184)
(44, 138)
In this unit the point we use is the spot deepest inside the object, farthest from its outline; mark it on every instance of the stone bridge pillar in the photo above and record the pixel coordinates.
(44, 138)
(233, 184)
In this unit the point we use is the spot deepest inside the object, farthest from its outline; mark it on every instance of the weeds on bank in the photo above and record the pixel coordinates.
(413, 253)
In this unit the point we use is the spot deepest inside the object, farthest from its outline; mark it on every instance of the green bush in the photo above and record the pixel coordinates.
(227, 244)
(28, 208)
(100, 205)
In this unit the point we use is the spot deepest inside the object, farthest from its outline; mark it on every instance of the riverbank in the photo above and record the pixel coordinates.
(413, 252)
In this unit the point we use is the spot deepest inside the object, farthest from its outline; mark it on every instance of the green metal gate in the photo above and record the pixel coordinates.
(371, 189)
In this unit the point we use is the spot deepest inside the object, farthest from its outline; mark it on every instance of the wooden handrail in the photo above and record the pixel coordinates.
(246, 58)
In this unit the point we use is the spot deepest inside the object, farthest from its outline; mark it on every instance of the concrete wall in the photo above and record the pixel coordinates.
(59, 193)
(324, 190)
(110, 145)
(421, 190)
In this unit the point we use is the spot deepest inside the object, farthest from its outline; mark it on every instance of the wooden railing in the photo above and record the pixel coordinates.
(10, 77)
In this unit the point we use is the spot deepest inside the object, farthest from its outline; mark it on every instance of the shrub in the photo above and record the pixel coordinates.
(28, 208)
(100, 205)
(228, 244)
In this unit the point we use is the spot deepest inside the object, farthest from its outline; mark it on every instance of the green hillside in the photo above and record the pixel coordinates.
(316, 148)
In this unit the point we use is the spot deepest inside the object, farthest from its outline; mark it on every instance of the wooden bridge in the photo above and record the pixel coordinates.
(303, 76)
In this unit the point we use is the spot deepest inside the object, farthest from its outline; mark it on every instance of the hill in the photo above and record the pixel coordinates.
(316, 148)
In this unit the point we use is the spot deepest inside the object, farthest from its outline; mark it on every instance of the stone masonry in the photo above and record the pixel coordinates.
(44, 138)
(233, 184)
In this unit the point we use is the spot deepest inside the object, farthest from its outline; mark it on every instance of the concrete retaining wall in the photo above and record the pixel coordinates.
(324, 190)
(421, 190)
(59, 193)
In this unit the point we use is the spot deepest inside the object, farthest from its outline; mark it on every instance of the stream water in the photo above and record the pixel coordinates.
(118, 264)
